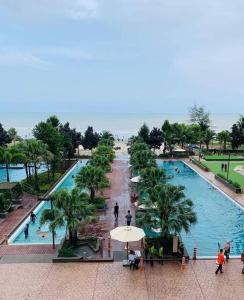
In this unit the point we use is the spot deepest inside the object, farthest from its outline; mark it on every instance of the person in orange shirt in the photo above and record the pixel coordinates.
(221, 261)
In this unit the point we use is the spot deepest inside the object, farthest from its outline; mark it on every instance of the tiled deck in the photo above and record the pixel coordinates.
(112, 281)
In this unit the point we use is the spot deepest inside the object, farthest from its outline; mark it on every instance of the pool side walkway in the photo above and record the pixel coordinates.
(239, 198)
(111, 281)
(119, 192)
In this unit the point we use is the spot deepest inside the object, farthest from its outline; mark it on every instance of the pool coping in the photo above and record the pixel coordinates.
(221, 191)
(12, 235)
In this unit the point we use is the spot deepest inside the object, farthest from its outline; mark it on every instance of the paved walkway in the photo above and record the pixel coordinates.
(119, 192)
(102, 281)
(239, 198)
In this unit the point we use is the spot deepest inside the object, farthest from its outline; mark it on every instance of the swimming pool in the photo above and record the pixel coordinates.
(219, 218)
(17, 174)
(18, 238)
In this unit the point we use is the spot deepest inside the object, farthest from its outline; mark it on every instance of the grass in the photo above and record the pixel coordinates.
(222, 157)
(215, 167)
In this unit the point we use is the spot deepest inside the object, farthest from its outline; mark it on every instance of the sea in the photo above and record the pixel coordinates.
(122, 125)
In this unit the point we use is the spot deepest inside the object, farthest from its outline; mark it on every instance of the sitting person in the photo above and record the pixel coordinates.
(137, 261)
(131, 259)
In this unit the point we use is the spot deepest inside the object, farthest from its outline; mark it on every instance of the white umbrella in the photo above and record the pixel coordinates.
(135, 179)
(127, 234)
(143, 206)
(179, 150)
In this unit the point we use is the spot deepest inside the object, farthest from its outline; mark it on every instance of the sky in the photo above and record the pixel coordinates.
(136, 56)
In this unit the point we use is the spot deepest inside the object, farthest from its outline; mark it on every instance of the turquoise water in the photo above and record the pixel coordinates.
(34, 237)
(17, 174)
(219, 219)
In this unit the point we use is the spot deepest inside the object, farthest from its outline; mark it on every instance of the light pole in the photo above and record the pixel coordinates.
(228, 169)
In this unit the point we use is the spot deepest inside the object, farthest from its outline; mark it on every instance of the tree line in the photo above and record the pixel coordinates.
(52, 143)
(198, 132)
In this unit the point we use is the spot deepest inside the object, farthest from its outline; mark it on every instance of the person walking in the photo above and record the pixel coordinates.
(116, 211)
(128, 218)
(26, 231)
(222, 167)
(33, 217)
(220, 262)
(227, 250)
(225, 168)
(242, 259)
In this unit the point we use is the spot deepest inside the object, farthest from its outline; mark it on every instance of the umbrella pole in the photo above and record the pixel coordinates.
(127, 249)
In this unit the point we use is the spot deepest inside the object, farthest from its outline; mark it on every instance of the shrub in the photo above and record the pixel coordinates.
(66, 251)
(100, 202)
(200, 164)
(235, 184)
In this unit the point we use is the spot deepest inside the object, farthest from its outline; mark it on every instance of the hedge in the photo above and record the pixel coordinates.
(200, 164)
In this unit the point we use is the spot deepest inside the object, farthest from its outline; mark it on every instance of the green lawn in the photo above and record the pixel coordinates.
(215, 167)
(224, 157)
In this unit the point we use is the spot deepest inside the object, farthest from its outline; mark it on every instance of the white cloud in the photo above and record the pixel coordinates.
(11, 57)
(38, 10)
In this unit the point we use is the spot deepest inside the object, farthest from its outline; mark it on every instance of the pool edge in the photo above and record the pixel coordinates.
(36, 209)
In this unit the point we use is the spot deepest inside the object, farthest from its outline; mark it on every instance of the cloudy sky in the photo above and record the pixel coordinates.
(121, 55)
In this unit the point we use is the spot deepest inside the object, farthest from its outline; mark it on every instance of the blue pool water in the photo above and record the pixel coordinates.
(35, 238)
(219, 219)
(17, 174)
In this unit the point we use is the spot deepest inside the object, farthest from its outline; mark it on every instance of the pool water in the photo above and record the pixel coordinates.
(36, 238)
(219, 219)
(17, 175)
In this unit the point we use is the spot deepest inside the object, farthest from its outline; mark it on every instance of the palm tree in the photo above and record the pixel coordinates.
(106, 151)
(150, 177)
(93, 179)
(137, 146)
(167, 209)
(223, 137)
(12, 132)
(37, 150)
(47, 158)
(10, 156)
(181, 134)
(23, 147)
(142, 159)
(208, 137)
(100, 161)
(71, 209)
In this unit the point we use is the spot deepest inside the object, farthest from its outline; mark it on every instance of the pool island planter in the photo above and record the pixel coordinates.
(227, 184)
(76, 259)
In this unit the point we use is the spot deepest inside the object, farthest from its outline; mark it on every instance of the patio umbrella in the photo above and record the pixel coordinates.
(127, 234)
(179, 150)
(135, 179)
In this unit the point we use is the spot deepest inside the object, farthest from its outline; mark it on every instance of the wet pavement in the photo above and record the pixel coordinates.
(105, 281)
